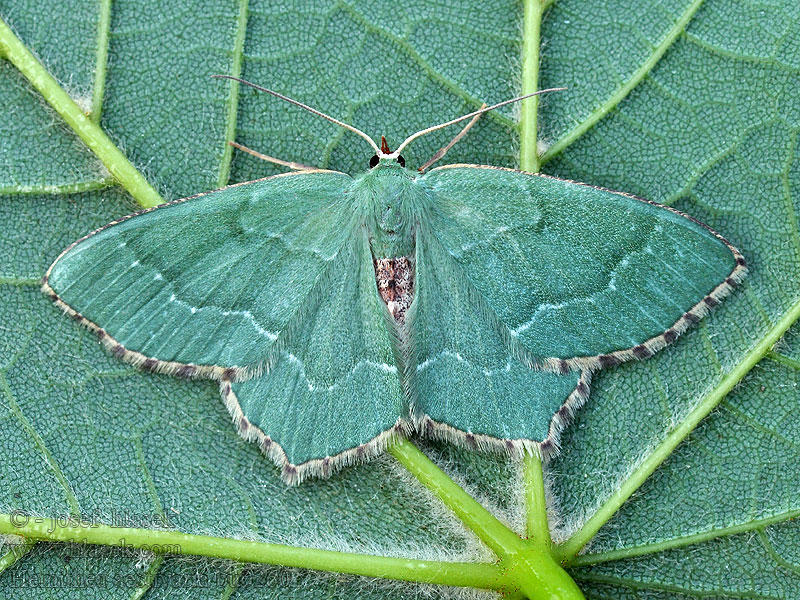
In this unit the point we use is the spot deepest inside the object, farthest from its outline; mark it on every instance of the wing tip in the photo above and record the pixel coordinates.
(657, 343)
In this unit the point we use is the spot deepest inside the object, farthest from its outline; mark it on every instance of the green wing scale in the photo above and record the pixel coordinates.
(521, 286)
(583, 277)
(472, 381)
(205, 284)
(331, 388)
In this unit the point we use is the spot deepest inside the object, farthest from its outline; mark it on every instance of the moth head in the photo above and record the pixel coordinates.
(385, 153)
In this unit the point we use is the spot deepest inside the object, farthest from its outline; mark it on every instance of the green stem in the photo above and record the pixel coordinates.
(528, 145)
(477, 575)
(538, 528)
(13, 556)
(486, 526)
(569, 549)
(91, 133)
(233, 98)
(530, 566)
(101, 60)
(67, 188)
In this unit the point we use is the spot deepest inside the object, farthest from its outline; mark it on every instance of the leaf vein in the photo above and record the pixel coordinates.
(750, 421)
(683, 541)
(58, 190)
(426, 66)
(49, 460)
(665, 587)
(101, 60)
(624, 90)
(770, 548)
(759, 60)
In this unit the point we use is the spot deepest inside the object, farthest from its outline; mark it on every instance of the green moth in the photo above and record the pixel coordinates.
(470, 303)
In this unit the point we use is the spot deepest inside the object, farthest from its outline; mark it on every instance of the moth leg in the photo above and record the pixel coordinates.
(292, 165)
(443, 150)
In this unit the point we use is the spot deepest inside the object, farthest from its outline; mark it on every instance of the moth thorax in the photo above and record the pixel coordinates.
(395, 277)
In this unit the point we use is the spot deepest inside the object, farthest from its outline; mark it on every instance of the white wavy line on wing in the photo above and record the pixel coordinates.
(386, 368)
(612, 285)
(225, 313)
(291, 245)
(470, 245)
(447, 353)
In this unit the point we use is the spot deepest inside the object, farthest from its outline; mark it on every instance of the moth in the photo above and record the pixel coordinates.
(469, 303)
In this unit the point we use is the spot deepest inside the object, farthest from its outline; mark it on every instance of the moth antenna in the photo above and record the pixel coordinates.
(480, 111)
(305, 107)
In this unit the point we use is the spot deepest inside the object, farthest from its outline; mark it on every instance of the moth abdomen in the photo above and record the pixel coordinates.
(395, 280)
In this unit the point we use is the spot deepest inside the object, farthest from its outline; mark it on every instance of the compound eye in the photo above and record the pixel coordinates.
(373, 162)
(401, 161)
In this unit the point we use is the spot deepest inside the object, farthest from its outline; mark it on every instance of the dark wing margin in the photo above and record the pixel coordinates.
(501, 244)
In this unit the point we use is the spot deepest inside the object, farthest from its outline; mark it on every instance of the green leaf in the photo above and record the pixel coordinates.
(689, 103)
